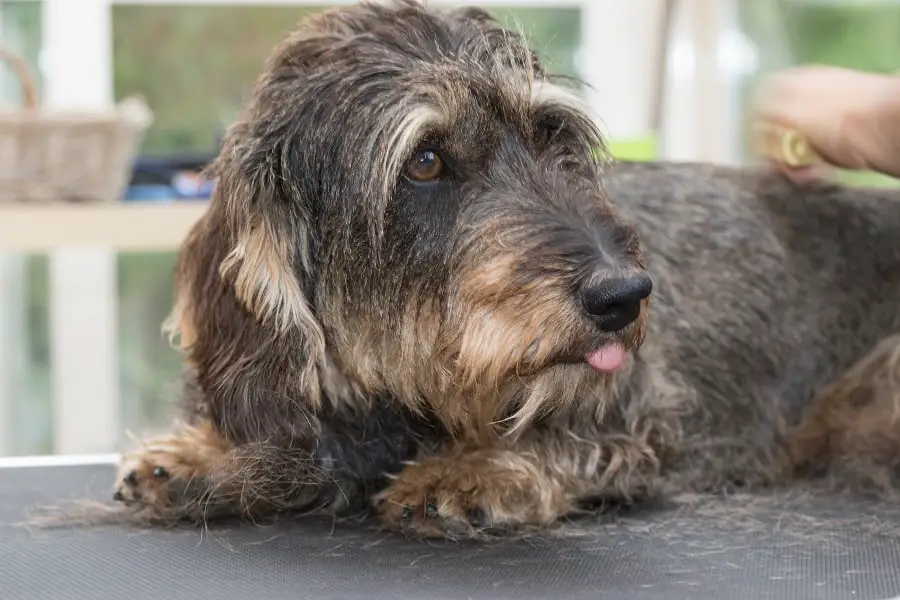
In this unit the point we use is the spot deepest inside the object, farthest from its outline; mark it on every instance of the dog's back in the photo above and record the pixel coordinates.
(765, 292)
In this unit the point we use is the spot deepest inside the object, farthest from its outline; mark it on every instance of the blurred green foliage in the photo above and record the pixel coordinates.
(195, 65)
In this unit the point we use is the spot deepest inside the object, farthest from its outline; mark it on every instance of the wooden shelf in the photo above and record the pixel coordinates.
(138, 226)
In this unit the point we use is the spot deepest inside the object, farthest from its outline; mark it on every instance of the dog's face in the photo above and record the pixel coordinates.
(412, 195)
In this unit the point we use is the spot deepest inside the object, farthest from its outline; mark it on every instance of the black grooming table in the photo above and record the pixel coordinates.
(795, 546)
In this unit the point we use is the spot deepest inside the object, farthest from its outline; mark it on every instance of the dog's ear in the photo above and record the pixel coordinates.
(244, 310)
(268, 227)
(256, 373)
(265, 211)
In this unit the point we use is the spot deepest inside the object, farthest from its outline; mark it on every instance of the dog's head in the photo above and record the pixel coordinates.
(419, 206)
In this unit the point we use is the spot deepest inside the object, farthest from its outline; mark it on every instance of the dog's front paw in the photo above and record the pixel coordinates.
(168, 477)
(145, 478)
(157, 481)
(470, 496)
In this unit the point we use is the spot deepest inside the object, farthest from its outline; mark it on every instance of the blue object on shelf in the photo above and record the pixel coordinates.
(169, 179)
(149, 192)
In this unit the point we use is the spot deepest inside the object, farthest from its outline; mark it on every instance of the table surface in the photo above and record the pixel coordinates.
(791, 545)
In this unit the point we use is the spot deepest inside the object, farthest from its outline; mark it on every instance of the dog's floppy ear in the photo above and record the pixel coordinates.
(267, 221)
(265, 212)
(244, 309)
(269, 233)
(244, 281)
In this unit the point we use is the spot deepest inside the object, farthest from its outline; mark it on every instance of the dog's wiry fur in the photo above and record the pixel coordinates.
(354, 338)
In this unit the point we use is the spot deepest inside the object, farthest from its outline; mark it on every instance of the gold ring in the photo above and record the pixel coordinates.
(782, 144)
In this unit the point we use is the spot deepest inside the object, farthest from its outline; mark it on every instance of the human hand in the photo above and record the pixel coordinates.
(845, 116)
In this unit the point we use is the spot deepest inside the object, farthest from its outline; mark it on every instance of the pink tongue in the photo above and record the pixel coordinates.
(608, 358)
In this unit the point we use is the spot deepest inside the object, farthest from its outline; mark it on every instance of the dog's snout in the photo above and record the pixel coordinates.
(615, 302)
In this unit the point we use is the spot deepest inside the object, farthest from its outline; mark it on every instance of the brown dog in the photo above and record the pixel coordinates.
(421, 287)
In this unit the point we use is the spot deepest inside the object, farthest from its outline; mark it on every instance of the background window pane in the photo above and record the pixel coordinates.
(24, 298)
(20, 33)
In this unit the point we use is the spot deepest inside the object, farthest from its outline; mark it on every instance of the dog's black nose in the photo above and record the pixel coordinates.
(614, 303)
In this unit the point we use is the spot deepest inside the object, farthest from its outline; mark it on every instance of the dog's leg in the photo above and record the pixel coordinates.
(171, 477)
(852, 430)
(194, 474)
(533, 482)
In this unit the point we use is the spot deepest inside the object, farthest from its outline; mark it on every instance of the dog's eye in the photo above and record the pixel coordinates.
(546, 129)
(425, 166)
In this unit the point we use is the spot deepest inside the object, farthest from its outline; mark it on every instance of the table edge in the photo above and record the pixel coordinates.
(57, 460)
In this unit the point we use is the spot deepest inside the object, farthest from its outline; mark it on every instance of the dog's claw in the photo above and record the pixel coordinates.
(132, 478)
(476, 517)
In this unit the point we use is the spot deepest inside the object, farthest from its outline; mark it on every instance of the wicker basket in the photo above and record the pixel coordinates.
(66, 156)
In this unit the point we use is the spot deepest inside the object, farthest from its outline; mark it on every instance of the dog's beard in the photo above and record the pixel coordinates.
(503, 374)
(557, 388)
